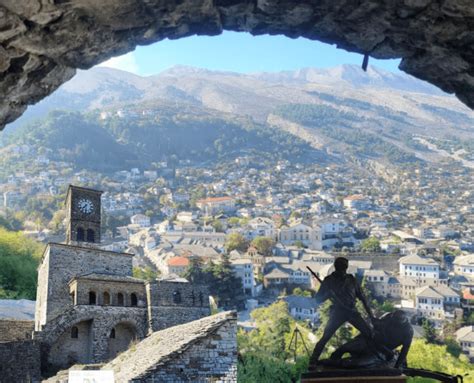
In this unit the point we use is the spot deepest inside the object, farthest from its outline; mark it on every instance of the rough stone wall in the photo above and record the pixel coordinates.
(204, 350)
(62, 263)
(42, 42)
(67, 350)
(11, 330)
(165, 311)
(162, 317)
(212, 359)
(19, 362)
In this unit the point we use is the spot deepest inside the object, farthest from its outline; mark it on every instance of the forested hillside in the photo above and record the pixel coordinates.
(111, 144)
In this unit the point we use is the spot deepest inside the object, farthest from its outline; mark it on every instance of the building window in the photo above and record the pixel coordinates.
(92, 298)
(74, 332)
(106, 298)
(90, 235)
(120, 300)
(176, 297)
(80, 234)
(73, 297)
(133, 299)
(112, 334)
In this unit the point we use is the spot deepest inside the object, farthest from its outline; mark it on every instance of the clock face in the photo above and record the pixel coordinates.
(85, 205)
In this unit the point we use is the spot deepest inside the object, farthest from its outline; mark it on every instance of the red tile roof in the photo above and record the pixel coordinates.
(178, 261)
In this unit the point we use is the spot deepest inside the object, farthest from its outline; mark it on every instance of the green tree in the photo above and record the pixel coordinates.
(217, 225)
(299, 244)
(437, 358)
(236, 241)
(225, 285)
(371, 244)
(195, 273)
(429, 331)
(299, 291)
(146, 273)
(19, 258)
(264, 245)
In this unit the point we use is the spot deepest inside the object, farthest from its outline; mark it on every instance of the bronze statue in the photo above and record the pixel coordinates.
(390, 331)
(343, 290)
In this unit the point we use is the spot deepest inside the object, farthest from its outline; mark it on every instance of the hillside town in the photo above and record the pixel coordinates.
(408, 233)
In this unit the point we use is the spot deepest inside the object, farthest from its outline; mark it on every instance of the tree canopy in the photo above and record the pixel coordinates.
(19, 258)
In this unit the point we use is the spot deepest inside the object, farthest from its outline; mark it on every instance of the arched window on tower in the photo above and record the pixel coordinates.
(74, 332)
(133, 299)
(112, 334)
(120, 300)
(90, 235)
(176, 297)
(92, 298)
(106, 298)
(201, 298)
(80, 234)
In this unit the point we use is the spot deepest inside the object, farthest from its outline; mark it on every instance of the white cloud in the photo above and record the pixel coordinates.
(126, 62)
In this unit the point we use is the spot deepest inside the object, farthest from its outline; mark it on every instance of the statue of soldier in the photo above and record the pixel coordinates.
(343, 290)
(390, 331)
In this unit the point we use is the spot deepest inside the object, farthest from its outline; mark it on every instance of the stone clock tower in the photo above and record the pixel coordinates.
(83, 215)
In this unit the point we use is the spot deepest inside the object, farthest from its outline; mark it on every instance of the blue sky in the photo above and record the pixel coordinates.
(239, 52)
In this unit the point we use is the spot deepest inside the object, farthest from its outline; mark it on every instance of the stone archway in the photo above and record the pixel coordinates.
(42, 43)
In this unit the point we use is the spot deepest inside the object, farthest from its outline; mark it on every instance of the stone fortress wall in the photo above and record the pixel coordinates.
(20, 361)
(171, 303)
(13, 330)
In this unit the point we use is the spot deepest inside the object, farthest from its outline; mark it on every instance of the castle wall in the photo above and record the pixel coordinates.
(68, 350)
(11, 330)
(211, 359)
(204, 350)
(20, 361)
(165, 310)
(63, 262)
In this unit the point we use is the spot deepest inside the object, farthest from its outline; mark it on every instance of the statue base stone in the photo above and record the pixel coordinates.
(327, 375)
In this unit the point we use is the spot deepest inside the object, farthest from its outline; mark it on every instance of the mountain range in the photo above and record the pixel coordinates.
(374, 114)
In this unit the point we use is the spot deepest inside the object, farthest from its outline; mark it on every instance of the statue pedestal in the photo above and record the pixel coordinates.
(325, 375)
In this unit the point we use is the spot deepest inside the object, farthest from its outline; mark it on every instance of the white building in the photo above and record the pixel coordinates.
(260, 227)
(464, 265)
(465, 337)
(436, 303)
(356, 201)
(302, 308)
(186, 216)
(416, 266)
(309, 236)
(216, 204)
(140, 219)
(331, 227)
(243, 268)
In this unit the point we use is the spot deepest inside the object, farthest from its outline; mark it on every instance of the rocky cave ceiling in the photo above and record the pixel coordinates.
(42, 42)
